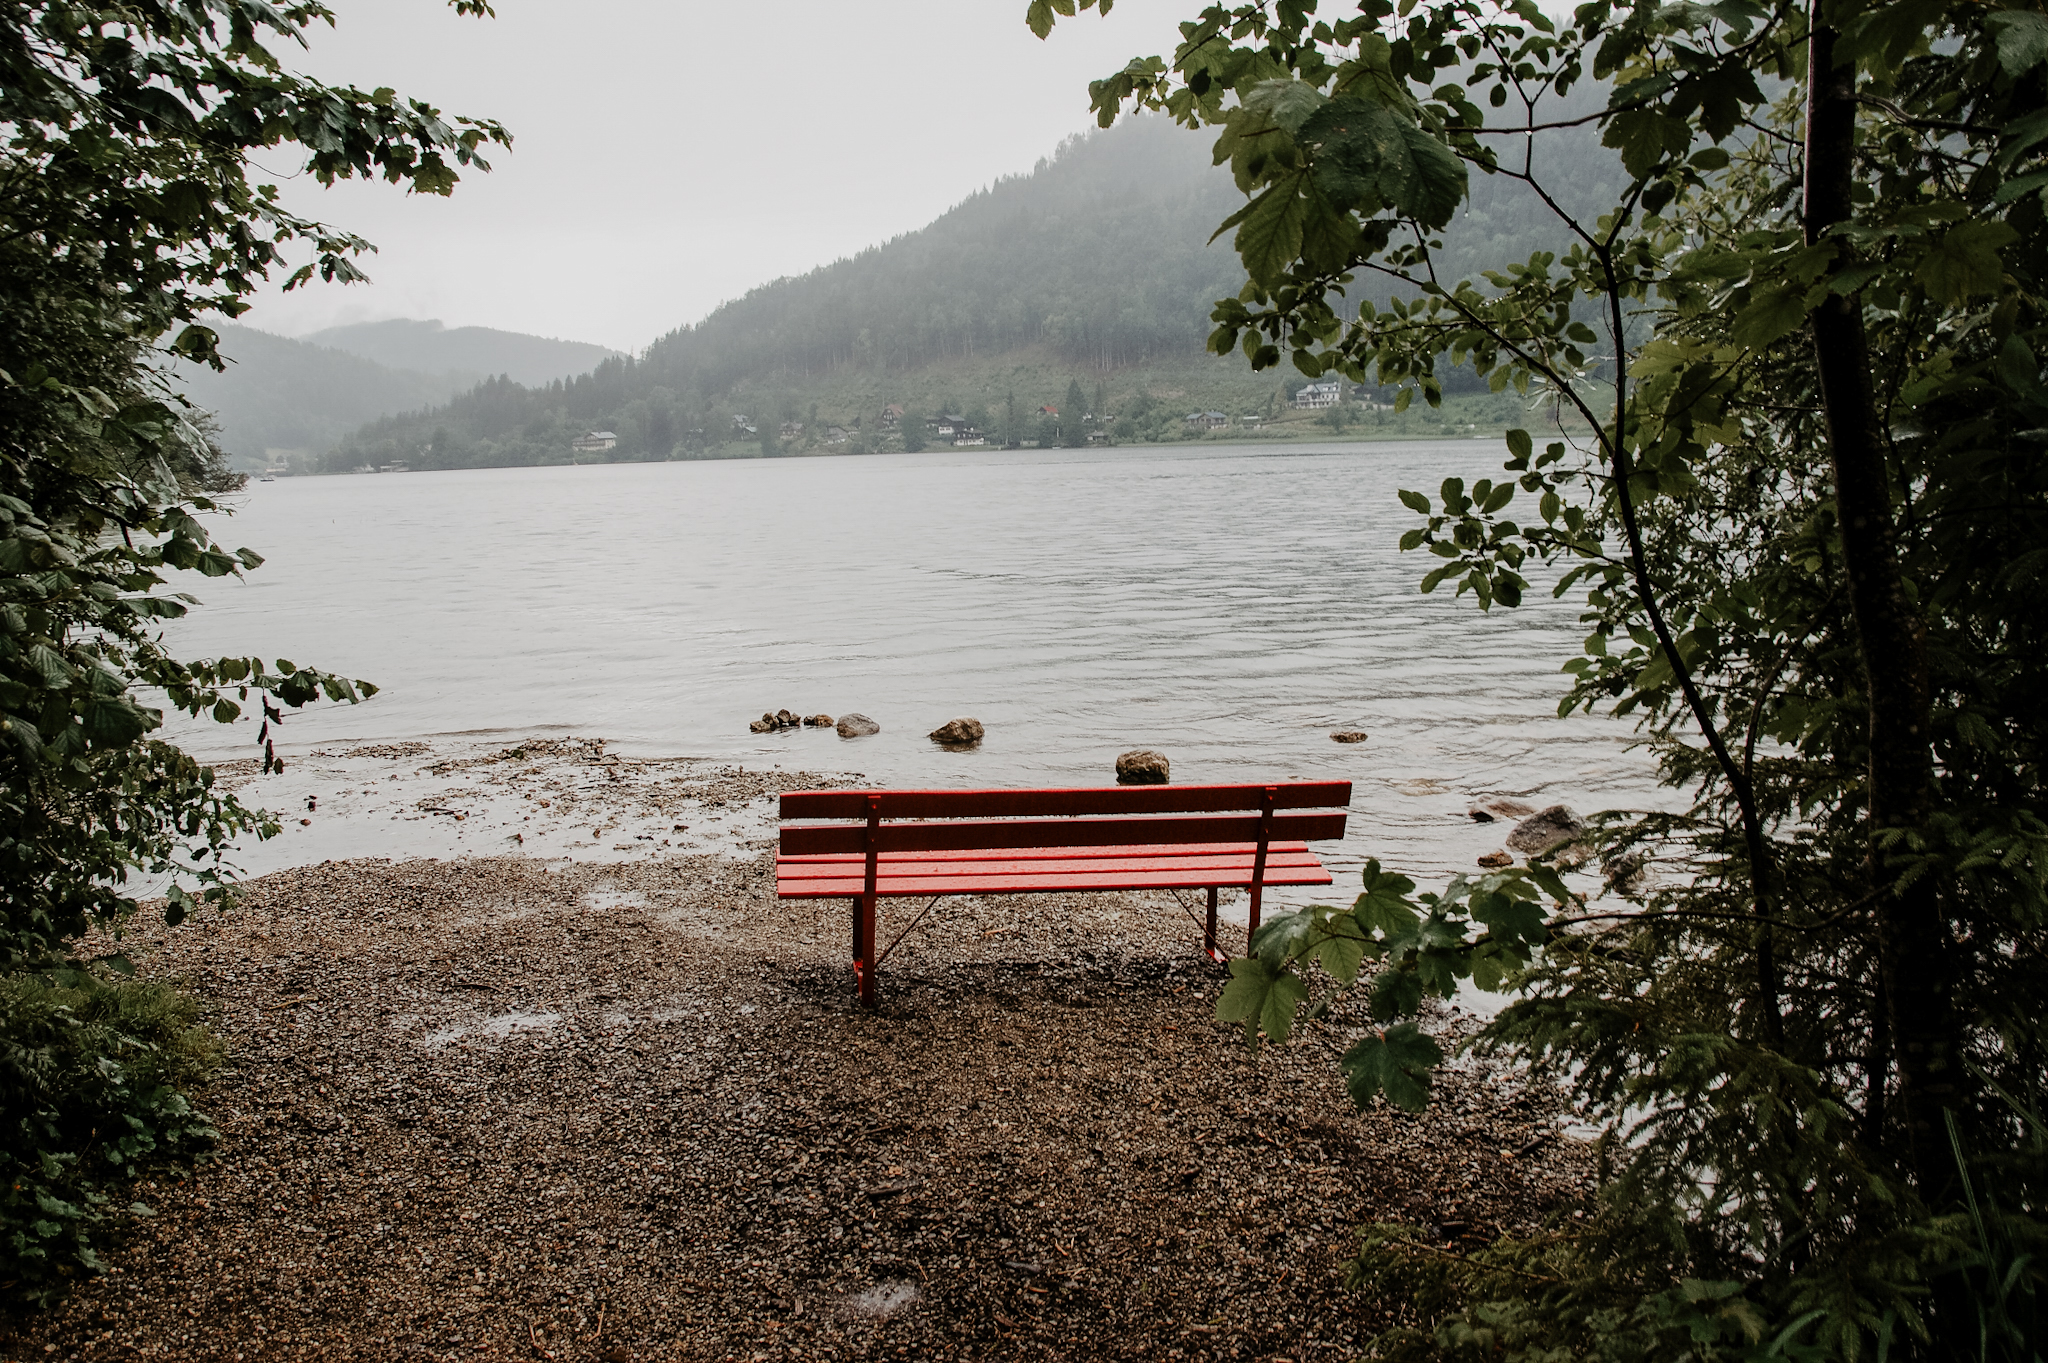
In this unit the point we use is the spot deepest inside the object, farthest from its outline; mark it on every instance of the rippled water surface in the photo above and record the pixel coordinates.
(1230, 606)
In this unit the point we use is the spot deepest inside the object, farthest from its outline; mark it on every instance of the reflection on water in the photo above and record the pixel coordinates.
(1230, 606)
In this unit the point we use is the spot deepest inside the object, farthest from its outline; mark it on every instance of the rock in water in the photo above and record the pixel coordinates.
(1496, 861)
(1541, 832)
(856, 726)
(786, 720)
(1143, 767)
(761, 726)
(1486, 811)
(1349, 736)
(958, 732)
(819, 721)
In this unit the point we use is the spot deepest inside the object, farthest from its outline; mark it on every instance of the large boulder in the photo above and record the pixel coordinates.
(1143, 767)
(857, 726)
(956, 733)
(1545, 830)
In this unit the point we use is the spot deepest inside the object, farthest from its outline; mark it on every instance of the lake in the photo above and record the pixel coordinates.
(1227, 605)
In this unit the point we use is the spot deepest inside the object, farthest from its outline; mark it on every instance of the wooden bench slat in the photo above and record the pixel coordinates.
(1027, 804)
(1185, 878)
(1024, 854)
(937, 837)
(910, 868)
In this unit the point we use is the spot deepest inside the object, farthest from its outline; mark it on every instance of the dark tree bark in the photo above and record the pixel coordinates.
(1914, 945)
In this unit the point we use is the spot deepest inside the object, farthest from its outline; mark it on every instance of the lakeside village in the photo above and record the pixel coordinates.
(1317, 408)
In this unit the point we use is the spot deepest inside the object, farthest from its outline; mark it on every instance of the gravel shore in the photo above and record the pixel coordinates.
(502, 1108)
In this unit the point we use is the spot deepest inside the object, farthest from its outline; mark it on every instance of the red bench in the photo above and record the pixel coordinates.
(869, 845)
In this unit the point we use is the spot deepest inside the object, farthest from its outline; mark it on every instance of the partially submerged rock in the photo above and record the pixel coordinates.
(857, 726)
(1545, 831)
(1143, 767)
(1486, 811)
(1496, 861)
(958, 733)
(819, 721)
(1349, 736)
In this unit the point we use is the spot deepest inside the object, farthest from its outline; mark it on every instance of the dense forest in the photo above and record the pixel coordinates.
(1096, 265)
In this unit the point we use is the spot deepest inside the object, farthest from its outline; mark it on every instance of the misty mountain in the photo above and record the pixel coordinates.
(280, 394)
(431, 348)
(1098, 263)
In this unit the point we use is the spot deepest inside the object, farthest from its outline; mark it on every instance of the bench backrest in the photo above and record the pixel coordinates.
(1089, 816)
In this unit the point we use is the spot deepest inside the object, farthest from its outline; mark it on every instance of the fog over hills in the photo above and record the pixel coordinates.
(431, 348)
(304, 396)
(1097, 267)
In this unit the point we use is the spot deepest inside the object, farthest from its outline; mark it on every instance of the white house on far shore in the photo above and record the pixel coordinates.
(596, 442)
(1315, 395)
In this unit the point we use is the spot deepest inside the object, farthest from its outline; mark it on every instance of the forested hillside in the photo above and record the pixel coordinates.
(1097, 266)
(302, 397)
(286, 395)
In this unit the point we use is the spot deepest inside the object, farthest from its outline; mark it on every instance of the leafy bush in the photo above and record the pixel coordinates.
(1804, 520)
(91, 1080)
(130, 219)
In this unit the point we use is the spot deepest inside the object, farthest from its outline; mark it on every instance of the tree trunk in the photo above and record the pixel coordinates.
(1915, 950)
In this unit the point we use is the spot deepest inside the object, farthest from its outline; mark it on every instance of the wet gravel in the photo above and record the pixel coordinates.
(497, 1108)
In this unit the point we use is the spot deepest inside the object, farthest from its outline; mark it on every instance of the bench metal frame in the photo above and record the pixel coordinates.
(953, 842)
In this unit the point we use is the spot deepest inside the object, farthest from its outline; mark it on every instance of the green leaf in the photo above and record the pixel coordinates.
(1965, 261)
(1370, 158)
(2021, 187)
(1519, 444)
(2018, 368)
(1269, 239)
(1772, 313)
(1396, 1063)
(1385, 908)
(1395, 993)
(1415, 501)
(1644, 137)
(1510, 919)
(1339, 952)
(1283, 937)
(2022, 40)
(1262, 998)
(1288, 103)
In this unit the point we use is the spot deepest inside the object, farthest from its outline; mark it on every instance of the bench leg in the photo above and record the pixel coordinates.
(864, 948)
(1209, 933)
(1258, 893)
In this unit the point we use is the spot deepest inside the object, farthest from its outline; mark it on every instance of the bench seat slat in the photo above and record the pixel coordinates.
(1031, 804)
(964, 879)
(801, 840)
(1179, 851)
(1223, 866)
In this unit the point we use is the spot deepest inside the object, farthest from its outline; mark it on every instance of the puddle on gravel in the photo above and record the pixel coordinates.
(882, 1301)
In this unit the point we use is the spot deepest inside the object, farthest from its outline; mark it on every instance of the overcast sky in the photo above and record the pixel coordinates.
(671, 154)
